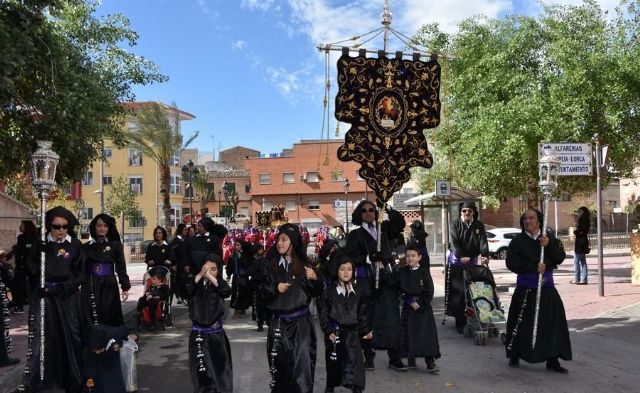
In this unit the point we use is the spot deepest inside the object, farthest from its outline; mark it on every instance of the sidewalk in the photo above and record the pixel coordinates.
(11, 377)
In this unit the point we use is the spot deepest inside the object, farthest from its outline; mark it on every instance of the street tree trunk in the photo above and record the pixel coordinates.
(166, 198)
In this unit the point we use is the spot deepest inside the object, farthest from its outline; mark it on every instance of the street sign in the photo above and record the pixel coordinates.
(575, 158)
(443, 188)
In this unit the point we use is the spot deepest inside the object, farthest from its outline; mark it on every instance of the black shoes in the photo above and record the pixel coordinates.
(554, 365)
(260, 328)
(411, 363)
(397, 365)
(514, 362)
(9, 362)
(431, 366)
(368, 365)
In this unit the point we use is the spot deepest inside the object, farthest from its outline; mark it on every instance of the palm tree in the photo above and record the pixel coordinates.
(202, 192)
(159, 138)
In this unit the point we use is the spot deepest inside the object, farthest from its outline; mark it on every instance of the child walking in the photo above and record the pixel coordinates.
(343, 321)
(420, 337)
(209, 350)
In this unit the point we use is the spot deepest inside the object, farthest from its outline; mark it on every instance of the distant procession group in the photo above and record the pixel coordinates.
(366, 300)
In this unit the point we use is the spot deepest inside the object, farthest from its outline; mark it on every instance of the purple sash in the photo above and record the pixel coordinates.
(361, 272)
(292, 315)
(410, 299)
(215, 328)
(530, 280)
(452, 259)
(102, 269)
(51, 284)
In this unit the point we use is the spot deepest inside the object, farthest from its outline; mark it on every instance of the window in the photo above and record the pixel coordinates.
(267, 205)
(139, 221)
(133, 125)
(211, 195)
(358, 177)
(511, 235)
(107, 180)
(264, 178)
(312, 177)
(175, 187)
(135, 157)
(290, 205)
(314, 204)
(336, 175)
(135, 182)
(176, 215)
(86, 213)
(175, 159)
(87, 178)
(106, 152)
(287, 178)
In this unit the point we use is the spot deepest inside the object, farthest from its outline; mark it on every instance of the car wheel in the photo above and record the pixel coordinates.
(502, 253)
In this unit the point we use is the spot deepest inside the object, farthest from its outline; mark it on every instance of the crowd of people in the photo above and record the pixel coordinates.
(367, 298)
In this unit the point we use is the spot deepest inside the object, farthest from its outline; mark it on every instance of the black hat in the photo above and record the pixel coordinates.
(158, 271)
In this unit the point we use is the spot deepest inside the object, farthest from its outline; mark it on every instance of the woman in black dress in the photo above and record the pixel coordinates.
(23, 250)
(64, 272)
(105, 258)
(159, 253)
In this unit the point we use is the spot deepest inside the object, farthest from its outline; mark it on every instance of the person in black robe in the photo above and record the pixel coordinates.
(237, 268)
(159, 253)
(523, 258)
(23, 250)
(6, 277)
(64, 272)
(206, 241)
(102, 371)
(344, 323)
(327, 259)
(179, 247)
(104, 258)
(209, 350)
(290, 285)
(383, 314)
(420, 338)
(259, 272)
(467, 240)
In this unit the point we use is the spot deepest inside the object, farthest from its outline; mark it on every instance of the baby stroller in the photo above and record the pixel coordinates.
(483, 309)
(154, 307)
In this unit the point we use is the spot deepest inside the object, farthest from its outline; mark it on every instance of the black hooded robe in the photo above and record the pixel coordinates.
(344, 316)
(208, 338)
(103, 369)
(552, 339)
(420, 338)
(103, 259)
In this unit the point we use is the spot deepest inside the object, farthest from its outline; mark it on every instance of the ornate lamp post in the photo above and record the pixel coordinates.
(548, 168)
(188, 171)
(346, 205)
(43, 173)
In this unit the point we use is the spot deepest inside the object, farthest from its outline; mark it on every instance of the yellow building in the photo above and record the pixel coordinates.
(142, 175)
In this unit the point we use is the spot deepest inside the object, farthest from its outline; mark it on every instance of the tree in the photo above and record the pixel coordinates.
(120, 199)
(511, 83)
(159, 138)
(201, 187)
(63, 76)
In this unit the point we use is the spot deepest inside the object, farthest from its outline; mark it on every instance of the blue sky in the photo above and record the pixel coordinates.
(249, 70)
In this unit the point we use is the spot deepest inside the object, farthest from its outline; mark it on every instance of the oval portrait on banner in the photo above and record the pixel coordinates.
(388, 111)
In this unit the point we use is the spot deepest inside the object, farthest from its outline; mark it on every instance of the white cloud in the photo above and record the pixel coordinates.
(206, 9)
(238, 45)
(262, 5)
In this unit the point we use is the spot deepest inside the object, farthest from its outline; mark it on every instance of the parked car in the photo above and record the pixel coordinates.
(499, 239)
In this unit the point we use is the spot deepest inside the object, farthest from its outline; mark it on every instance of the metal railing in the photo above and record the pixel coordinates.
(609, 241)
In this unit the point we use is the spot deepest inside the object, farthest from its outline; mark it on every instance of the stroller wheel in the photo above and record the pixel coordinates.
(476, 338)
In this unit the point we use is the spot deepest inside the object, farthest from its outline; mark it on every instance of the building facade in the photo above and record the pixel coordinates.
(142, 175)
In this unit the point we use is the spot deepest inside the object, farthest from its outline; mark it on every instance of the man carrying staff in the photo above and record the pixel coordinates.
(467, 240)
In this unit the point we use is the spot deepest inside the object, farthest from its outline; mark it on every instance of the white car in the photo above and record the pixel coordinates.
(499, 239)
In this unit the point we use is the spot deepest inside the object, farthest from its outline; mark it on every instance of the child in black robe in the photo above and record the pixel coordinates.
(102, 370)
(209, 349)
(420, 338)
(344, 323)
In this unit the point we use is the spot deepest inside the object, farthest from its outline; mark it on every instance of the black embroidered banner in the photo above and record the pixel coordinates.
(389, 102)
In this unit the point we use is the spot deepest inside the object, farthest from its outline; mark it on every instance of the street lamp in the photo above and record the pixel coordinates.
(548, 169)
(43, 174)
(346, 205)
(189, 170)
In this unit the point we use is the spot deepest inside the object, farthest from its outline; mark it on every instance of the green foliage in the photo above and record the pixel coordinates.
(159, 138)
(202, 192)
(119, 198)
(63, 76)
(511, 83)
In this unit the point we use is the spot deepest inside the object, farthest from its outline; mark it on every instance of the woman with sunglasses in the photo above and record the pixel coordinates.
(467, 240)
(105, 259)
(64, 272)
